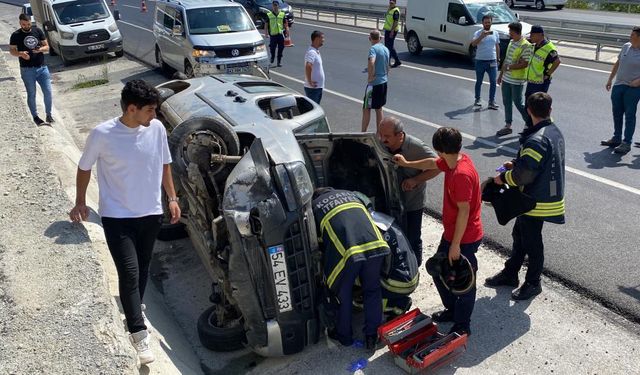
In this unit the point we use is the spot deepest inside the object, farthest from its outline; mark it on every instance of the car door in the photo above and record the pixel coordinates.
(458, 28)
(354, 161)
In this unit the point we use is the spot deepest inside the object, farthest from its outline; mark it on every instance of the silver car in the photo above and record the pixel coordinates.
(203, 37)
(247, 156)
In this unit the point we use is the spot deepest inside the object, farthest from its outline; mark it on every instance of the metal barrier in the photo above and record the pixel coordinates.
(592, 33)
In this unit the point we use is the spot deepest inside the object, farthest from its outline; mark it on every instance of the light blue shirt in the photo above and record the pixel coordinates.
(381, 53)
(486, 49)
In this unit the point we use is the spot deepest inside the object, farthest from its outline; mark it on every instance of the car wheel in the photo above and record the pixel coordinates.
(120, 53)
(558, 7)
(195, 140)
(188, 69)
(510, 3)
(223, 336)
(413, 44)
(160, 61)
(52, 51)
(65, 61)
(539, 5)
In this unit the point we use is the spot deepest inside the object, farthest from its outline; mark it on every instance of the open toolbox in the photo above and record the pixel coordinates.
(417, 346)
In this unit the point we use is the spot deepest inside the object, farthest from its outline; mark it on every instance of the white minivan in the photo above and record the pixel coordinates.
(449, 25)
(204, 37)
(539, 4)
(78, 28)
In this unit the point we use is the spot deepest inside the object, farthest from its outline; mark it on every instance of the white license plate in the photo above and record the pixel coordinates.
(238, 70)
(95, 47)
(281, 278)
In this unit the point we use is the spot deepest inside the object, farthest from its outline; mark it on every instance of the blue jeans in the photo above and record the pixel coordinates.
(624, 103)
(462, 305)
(512, 94)
(314, 94)
(491, 67)
(41, 75)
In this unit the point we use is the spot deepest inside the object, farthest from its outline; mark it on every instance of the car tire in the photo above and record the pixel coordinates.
(160, 61)
(188, 69)
(120, 53)
(558, 7)
(510, 3)
(65, 61)
(220, 339)
(413, 44)
(52, 51)
(182, 154)
(540, 5)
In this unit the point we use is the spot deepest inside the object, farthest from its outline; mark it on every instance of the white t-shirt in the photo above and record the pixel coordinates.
(317, 72)
(130, 163)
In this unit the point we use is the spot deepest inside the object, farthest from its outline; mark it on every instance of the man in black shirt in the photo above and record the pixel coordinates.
(28, 44)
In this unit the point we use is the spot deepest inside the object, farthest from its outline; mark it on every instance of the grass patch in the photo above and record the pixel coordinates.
(601, 5)
(90, 83)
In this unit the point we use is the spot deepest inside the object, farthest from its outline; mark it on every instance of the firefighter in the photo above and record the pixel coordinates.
(353, 247)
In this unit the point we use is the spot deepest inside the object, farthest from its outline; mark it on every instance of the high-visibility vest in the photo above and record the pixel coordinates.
(347, 232)
(276, 23)
(535, 73)
(388, 21)
(519, 74)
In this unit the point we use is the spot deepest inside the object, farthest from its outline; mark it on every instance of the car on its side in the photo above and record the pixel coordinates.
(247, 155)
(538, 4)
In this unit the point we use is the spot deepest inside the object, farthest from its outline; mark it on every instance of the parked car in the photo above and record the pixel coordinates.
(539, 4)
(202, 37)
(247, 156)
(257, 9)
(76, 29)
(449, 25)
(26, 9)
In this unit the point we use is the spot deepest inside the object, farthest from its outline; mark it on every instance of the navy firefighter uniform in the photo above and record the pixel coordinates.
(353, 247)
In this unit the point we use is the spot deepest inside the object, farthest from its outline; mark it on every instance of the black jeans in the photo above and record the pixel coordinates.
(276, 41)
(389, 42)
(414, 233)
(533, 88)
(462, 306)
(527, 240)
(130, 242)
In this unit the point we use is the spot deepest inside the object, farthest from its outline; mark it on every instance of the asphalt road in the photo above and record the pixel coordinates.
(595, 251)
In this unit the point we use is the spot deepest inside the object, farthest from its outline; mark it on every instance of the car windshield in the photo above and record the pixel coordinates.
(218, 20)
(499, 11)
(80, 11)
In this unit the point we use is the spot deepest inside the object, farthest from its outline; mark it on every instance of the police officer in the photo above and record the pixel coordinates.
(539, 171)
(544, 61)
(276, 27)
(353, 248)
(391, 28)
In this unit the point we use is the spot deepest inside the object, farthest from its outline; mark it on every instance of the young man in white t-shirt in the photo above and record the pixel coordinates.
(132, 156)
(313, 71)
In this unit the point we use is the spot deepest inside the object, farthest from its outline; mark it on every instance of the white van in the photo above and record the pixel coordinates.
(539, 4)
(203, 37)
(78, 28)
(449, 25)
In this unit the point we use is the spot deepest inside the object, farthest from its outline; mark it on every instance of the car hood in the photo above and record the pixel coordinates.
(227, 39)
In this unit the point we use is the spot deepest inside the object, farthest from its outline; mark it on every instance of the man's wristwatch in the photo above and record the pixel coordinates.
(173, 199)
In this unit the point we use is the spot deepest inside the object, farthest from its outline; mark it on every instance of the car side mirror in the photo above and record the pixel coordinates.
(116, 15)
(259, 24)
(462, 20)
(49, 26)
(177, 30)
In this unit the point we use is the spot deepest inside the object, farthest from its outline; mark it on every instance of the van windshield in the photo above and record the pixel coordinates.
(80, 11)
(218, 20)
(498, 10)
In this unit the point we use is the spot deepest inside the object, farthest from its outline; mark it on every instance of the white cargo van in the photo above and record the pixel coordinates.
(449, 25)
(78, 28)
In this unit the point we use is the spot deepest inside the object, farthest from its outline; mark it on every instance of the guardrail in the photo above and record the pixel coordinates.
(355, 14)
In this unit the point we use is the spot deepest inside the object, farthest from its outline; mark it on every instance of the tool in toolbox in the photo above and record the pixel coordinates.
(417, 346)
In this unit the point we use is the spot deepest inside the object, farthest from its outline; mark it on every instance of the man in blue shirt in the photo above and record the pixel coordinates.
(487, 45)
(376, 92)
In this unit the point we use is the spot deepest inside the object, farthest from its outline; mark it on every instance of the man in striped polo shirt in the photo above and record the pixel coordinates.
(513, 76)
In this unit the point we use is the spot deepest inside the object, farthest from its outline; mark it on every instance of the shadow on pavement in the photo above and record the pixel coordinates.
(505, 145)
(631, 291)
(453, 115)
(438, 59)
(67, 233)
(604, 158)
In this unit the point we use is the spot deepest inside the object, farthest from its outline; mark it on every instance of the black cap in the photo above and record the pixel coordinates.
(537, 29)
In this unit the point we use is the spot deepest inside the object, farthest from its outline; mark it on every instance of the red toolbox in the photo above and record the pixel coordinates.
(417, 346)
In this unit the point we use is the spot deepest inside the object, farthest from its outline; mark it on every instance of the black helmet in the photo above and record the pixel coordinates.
(458, 277)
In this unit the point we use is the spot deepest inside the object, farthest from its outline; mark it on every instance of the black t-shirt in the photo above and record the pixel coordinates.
(28, 41)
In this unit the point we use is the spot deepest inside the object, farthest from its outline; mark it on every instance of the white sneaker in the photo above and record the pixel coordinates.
(146, 321)
(140, 341)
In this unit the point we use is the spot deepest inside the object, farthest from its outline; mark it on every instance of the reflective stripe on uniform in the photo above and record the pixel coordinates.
(509, 178)
(401, 287)
(535, 155)
(357, 249)
(547, 209)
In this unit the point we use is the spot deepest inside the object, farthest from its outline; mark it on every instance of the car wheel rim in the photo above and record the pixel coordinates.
(413, 44)
(199, 147)
(188, 70)
(539, 5)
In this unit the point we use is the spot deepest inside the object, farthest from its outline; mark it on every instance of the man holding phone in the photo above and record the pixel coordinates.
(487, 45)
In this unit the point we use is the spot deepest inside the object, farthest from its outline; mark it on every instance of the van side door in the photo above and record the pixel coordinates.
(53, 36)
(179, 45)
(458, 28)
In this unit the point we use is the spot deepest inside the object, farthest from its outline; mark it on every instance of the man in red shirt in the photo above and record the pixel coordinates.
(460, 218)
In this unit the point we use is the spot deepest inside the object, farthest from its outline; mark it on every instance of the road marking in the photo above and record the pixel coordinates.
(475, 139)
(433, 71)
(129, 6)
(136, 26)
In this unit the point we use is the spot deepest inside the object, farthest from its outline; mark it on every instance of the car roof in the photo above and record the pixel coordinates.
(196, 4)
